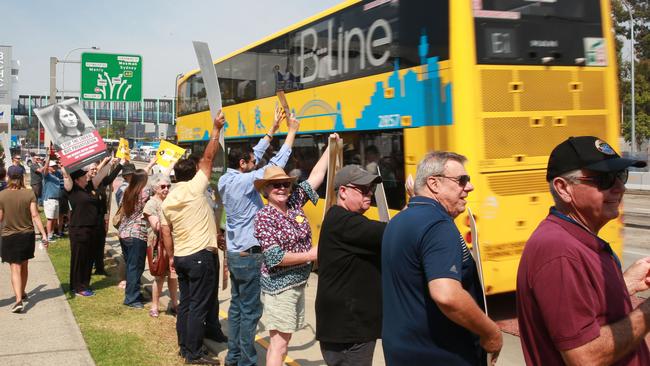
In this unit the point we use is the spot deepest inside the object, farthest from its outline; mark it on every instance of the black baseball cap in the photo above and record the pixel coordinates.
(354, 174)
(586, 152)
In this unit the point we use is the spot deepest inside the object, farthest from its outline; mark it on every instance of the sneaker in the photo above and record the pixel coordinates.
(204, 360)
(85, 293)
(136, 305)
(51, 239)
(17, 308)
(25, 297)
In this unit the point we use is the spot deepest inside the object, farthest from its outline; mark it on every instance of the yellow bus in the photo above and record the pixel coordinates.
(500, 81)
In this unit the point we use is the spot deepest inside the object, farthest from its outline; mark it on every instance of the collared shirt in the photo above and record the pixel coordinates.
(187, 211)
(52, 186)
(421, 244)
(564, 263)
(241, 201)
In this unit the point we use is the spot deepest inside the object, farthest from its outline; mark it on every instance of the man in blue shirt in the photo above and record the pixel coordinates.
(432, 296)
(52, 181)
(241, 202)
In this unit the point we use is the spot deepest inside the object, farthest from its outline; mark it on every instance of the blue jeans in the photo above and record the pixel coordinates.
(135, 253)
(245, 308)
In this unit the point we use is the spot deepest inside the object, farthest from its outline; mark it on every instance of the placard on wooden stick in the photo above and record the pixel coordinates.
(335, 163)
(284, 104)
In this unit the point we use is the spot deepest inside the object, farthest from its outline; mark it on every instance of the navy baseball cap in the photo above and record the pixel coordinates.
(587, 152)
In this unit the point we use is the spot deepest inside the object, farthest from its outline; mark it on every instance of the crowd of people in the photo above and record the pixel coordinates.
(411, 282)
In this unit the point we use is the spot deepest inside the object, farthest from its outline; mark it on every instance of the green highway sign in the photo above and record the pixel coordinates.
(111, 77)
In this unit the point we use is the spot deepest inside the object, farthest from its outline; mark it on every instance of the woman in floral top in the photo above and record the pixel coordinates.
(133, 235)
(283, 231)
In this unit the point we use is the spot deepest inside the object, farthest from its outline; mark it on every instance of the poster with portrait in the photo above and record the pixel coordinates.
(75, 138)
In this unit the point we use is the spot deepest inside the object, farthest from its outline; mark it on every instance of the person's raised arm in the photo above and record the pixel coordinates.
(152, 162)
(46, 167)
(205, 164)
(317, 174)
(114, 171)
(293, 125)
(282, 157)
(102, 171)
(277, 118)
(67, 180)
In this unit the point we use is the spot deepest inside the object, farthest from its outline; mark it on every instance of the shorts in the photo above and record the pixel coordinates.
(51, 208)
(285, 312)
(17, 248)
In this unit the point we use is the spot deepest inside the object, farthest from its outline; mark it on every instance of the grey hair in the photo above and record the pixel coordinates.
(570, 176)
(156, 179)
(433, 163)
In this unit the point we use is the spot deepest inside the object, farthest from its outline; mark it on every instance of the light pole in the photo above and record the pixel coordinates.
(65, 61)
(174, 106)
(632, 58)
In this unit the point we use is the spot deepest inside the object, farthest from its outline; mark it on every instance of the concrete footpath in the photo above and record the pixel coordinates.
(46, 332)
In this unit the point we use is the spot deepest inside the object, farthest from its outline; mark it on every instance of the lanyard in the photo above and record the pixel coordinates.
(603, 244)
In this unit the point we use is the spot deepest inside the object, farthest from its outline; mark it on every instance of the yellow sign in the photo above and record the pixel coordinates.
(168, 154)
(123, 151)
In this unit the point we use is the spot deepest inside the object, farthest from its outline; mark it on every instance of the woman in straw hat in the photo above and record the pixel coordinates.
(283, 231)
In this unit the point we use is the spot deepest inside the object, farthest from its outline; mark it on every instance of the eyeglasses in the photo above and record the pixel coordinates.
(462, 180)
(284, 185)
(163, 186)
(606, 181)
(364, 190)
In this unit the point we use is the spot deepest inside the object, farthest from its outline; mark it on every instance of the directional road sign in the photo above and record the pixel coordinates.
(111, 77)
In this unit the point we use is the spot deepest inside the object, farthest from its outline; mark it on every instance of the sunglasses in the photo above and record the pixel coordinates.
(607, 180)
(284, 185)
(364, 190)
(163, 186)
(462, 180)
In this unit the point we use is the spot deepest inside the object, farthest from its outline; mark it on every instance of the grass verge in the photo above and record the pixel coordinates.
(116, 334)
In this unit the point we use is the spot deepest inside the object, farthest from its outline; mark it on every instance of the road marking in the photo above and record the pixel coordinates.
(262, 342)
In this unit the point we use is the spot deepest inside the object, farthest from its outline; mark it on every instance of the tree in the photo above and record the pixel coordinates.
(641, 15)
(117, 129)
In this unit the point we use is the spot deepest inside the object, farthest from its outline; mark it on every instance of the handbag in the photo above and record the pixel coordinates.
(117, 218)
(157, 258)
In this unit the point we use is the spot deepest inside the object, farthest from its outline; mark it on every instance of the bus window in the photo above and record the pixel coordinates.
(244, 77)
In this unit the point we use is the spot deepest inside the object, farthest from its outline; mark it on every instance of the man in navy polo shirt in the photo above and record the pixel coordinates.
(432, 296)
(573, 300)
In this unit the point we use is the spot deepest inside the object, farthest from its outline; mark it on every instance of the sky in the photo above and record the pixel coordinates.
(160, 31)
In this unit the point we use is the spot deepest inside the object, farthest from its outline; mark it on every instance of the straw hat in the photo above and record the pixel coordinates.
(273, 174)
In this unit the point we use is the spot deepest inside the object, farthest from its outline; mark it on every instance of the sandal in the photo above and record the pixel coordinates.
(153, 313)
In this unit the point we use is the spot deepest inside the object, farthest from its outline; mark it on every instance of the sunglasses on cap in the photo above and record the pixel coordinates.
(462, 180)
(606, 181)
(284, 185)
(364, 190)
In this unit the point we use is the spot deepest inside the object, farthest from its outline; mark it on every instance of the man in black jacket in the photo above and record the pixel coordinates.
(348, 298)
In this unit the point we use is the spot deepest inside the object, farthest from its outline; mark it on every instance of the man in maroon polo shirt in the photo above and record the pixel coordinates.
(573, 300)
